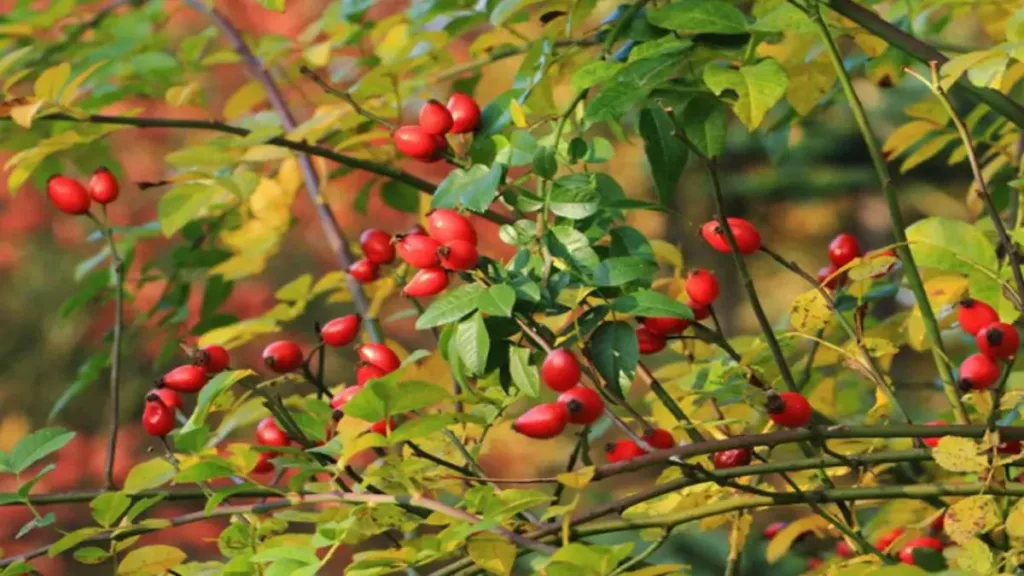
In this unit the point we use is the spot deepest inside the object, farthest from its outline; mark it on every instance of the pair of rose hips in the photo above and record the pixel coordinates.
(425, 141)
(996, 341)
(268, 433)
(70, 197)
(841, 251)
(626, 449)
(906, 553)
(376, 361)
(576, 403)
(702, 289)
(448, 245)
(161, 403)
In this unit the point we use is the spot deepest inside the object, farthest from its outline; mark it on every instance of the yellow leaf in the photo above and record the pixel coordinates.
(67, 97)
(318, 55)
(926, 151)
(492, 553)
(970, 516)
(393, 46)
(577, 479)
(660, 570)
(156, 559)
(14, 78)
(234, 335)
(808, 82)
(16, 29)
(322, 121)
(783, 541)
(1015, 521)
(668, 253)
(972, 556)
(10, 58)
(809, 312)
(49, 83)
(182, 95)
(906, 136)
(739, 532)
(265, 153)
(959, 455)
(23, 115)
(517, 114)
(870, 265)
(382, 290)
(872, 45)
(244, 100)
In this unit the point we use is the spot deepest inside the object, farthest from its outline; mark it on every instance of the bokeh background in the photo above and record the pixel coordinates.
(800, 184)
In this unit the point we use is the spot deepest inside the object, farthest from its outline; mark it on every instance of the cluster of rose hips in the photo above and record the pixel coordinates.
(425, 140)
(841, 251)
(996, 341)
(702, 290)
(448, 245)
(70, 197)
(162, 402)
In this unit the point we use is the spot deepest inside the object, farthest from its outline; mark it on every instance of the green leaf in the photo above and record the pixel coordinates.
(545, 164)
(203, 471)
(451, 307)
(757, 88)
(381, 398)
(151, 560)
(574, 197)
(474, 189)
(72, 539)
(623, 270)
(108, 507)
(25, 489)
(705, 122)
(651, 303)
(36, 446)
(275, 5)
(573, 246)
(524, 374)
(41, 522)
(614, 350)
(593, 73)
(498, 300)
(474, 343)
(401, 196)
(187, 202)
(699, 17)
(505, 9)
(950, 246)
(520, 151)
(421, 427)
(208, 395)
(91, 555)
(665, 153)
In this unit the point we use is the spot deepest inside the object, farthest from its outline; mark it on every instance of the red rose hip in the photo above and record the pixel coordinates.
(648, 342)
(843, 249)
(377, 246)
(268, 433)
(665, 325)
(771, 530)
(368, 372)
(459, 255)
(415, 142)
(999, 340)
(978, 372)
(560, 370)
(339, 400)
(584, 404)
(103, 186)
(380, 356)
(364, 271)
(789, 409)
(283, 356)
(542, 421)
(157, 417)
(465, 113)
(214, 359)
(933, 441)
(921, 542)
(188, 379)
(435, 118)
(660, 439)
(732, 458)
(974, 315)
(169, 397)
(419, 251)
(748, 239)
(341, 331)
(67, 195)
(702, 287)
(623, 450)
(447, 225)
(426, 282)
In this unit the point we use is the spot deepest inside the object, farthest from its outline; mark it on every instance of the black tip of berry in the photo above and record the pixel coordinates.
(994, 336)
(965, 385)
(774, 403)
(337, 414)
(609, 447)
(967, 302)
(574, 406)
(153, 397)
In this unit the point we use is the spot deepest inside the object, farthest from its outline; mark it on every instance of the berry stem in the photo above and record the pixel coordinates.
(913, 275)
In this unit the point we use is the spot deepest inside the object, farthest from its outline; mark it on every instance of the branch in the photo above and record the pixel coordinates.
(896, 220)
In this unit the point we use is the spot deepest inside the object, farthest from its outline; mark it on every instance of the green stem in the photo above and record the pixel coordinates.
(896, 219)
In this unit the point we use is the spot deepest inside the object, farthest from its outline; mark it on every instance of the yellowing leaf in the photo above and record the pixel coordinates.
(265, 153)
(872, 45)
(577, 479)
(244, 100)
(808, 83)
(970, 516)
(234, 335)
(959, 455)
(23, 115)
(1015, 521)
(926, 151)
(809, 312)
(783, 541)
(667, 253)
(972, 556)
(757, 88)
(156, 559)
(182, 95)
(318, 55)
(50, 82)
(393, 46)
(902, 138)
(492, 553)
(517, 114)
(67, 97)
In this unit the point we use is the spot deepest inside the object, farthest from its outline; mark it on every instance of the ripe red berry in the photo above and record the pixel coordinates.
(1009, 447)
(999, 340)
(465, 113)
(459, 255)
(368, 372)
(978, 372)
(665, 325)
(828, 278)
(660, 439)
(380, 356)
(283, 356)
(169, 397)
(157, 417)
(699, 312)
(649, 342)
(584, 404)
(364, 271)
(748, 239)
(907, 552)
(103, 186)
(426, 282)
(844, 550)
(214, 359)
(68, 195)
(938, 523)
(384, 427)
(933, 441)
(974, 315)
(772, 529)
(560, 370)
(377, 246)
(702, 287)
(268, 433)
(339, 400)
(814, 563)
(416, 230)
(542, 421)
(447, 225)
(263, 465)
(843, 249)
(419, 251)
(732, 458)
(415, 142)
(623, 450)
(341, 331)
(435, 118)
(885, 540)
(789, 409)
(188, 379)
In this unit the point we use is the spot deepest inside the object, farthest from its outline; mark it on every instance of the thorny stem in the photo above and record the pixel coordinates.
(913, 275)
